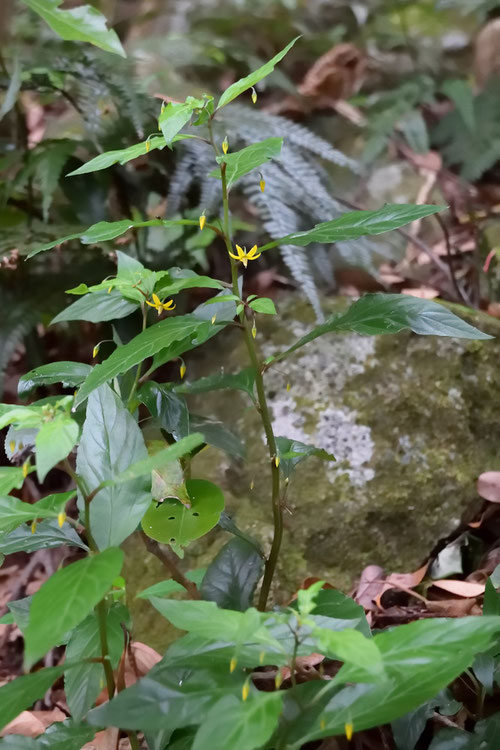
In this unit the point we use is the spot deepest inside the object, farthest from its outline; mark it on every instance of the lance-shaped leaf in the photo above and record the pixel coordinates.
(291, 452)
(21, 693)
(173, 336)
(67, 598)
(70, 374)
(54, 441)
(250, 80)
(104, 231)
(111, 443)
(242, 381)
(376, 314)
(241, 162)
(120, 156)
(356, 224)
(97, 307)
(175, 115)
(47, 535)
(14, 512)
(82, 24)
(11, 478)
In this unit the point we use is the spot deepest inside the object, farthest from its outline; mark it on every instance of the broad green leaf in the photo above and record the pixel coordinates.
(67, 598)
(217, 434)
(168, 587)
(491, 602)
(82, 24)
(23, 416)
(11, 478)
(20, 610)
(376, 314)
(292, 452)
(250, 80)
(175, 335)
(455, 739)
(70, 374)
(21, 693)
(354, 649)
(241, 162)
(97, 307)
(177, 279)
(242, 381)
(232, 576)
(83, 683)
(14, 512)
(233, 723)
(54, 441)
(263, 305)
(167, 698)
(342, 610)
(407, 730)
(356, 224)
(62, 735)
(173, 523)
(175, 115)
(104, 231)
(13, 89)
(169, 409)
(48, 534)
(120, 156)
(111, 443)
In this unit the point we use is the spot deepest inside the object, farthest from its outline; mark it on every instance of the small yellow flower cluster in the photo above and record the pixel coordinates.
(160, 306)
(243, 256)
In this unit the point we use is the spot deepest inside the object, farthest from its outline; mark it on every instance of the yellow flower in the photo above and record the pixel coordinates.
(254, 95)
(148, 146)
(262, 184)
(109, 289)
(160, 306)
(348, 731)
(26, 468)
(33, 527)
(182, 370)
(278, 679)
(61, 519)
(214, 318)
(243, 256)
(225, 145)
(276, 461)
(95, 351)
(245, 690)
(12, 446)
(252, 485)
(254, 330)
(202, 221)
(288, 386)
(233, 663)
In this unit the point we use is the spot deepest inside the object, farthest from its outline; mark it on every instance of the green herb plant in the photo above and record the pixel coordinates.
(207, 691)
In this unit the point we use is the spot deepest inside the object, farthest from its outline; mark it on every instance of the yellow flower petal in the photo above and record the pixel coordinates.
(288, 386)
(148, 146)
(276, 461)
(156, 300)
(348, 731)
(225, 145)
(244, 260)
(236, 257)
(254, 95)
(252, 484)
(151, 304)
(26, 468)
(33, 527)
(202, 221)
(262, 184)
(170, 305)
(12, 446)
(254, 330)
(214, 317)
(245, 690)
(95, 351)
(233, 663)
(61, 519)
(182, 370)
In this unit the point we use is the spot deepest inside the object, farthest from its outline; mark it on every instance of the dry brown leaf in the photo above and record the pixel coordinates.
(338, 74)
(454, 607)
(371, 585)
(106, 740)
(49, 717)
(422, 292)
(26, 724)
(460, 588)
(488, 486)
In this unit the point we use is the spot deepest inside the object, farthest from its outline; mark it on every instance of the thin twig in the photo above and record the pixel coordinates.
(461, 293)
(166, 556)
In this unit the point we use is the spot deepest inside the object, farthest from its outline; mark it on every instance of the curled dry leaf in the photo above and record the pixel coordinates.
(460, 588)
(488, 486)
(107, 740)
(26, 724)
(454, 607)
(371, 585)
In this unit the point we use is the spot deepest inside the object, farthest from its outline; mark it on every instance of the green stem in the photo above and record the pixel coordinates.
(263, 408)
(101, 612)
(139, 366)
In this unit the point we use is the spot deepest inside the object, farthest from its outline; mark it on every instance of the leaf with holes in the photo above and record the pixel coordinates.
(172, 523)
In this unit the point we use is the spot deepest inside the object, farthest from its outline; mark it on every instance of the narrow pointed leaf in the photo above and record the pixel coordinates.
(69, 374)
(250, 80)
(241, 162)
(21, 693)
(176, 115)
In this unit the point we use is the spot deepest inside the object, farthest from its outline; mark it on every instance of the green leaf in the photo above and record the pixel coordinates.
(14, 512)
(356, 224)
(168, 587)
(173, 523)
(11, 478)
(97, 307)
(454, 739)
(83, 683)
(62, 735)
(292, 452)
(175, 335)
(157, 461)
(217, 434)
(250, 80)
(376, 314)
(104, 231)
(175, 115)
(54, 441)
(120, 156)
(241, 162)
(12, 90)
(111, 442)
(491, 602)
(166, 407)
(342, 610)
(242, 381)
(48, 534)
(21, 693)
(67, 598)
(232, 576)
(263, 305)
(167, 698)
(82, 24)
(178, 279)
(232, 723)
(70, 374)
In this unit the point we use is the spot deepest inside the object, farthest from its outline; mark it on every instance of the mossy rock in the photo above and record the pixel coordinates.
(412, 421)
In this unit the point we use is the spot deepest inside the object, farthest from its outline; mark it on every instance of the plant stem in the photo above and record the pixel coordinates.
(139, 366)
(101, 612)
(166, 557)
(263, 408)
